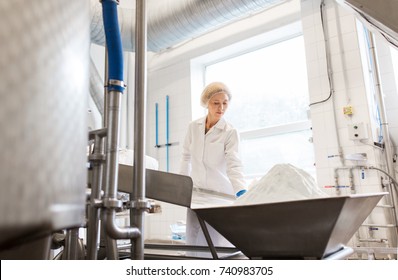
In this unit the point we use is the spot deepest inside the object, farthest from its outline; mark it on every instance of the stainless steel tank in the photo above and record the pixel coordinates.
(44, 77)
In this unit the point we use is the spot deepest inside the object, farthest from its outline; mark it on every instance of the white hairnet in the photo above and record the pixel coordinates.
(212, 89)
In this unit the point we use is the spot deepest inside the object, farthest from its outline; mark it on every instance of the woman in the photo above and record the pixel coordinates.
(211, 157)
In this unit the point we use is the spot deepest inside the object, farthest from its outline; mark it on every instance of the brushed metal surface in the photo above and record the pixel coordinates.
(44, 87)
(313, 228)
(162, 186)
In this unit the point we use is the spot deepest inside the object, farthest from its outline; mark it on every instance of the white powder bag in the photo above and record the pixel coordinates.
(283, 182)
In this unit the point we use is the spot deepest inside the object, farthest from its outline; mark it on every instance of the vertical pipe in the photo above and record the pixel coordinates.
(115, 90)
(137, 214)
(112, 142)
(330, 79)
(106, 79)
(167, 134)
(157, 125)
(71, 244)
(96, 186)
(110, 244)
(392, 198)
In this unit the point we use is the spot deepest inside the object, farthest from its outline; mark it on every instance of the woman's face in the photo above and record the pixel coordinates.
(217, 106)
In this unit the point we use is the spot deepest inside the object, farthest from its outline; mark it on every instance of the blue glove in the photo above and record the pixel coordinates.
(240, 193)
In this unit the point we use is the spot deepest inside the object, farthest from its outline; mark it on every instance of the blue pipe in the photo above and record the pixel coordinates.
(167, 133)
(114, 44)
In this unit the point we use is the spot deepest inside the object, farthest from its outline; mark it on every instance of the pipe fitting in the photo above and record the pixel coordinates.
(97, 157)
(116, 85)
(117, 232)
(116, 1)
(112, 203)
(140, 204)
(102, 132)
(97, 203)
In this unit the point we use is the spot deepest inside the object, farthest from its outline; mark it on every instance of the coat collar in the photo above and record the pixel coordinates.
(220, 124)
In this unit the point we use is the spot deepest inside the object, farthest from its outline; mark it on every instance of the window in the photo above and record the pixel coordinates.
(394, 56)
(269, 105)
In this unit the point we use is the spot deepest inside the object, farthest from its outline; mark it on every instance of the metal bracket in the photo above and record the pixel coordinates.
(102, 132)
(116, 1)
(98, 203)
(139, 204)
(117, 83)
(112, 203)
(97, 157)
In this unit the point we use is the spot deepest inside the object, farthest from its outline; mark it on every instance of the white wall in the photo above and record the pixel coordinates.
(352, 86)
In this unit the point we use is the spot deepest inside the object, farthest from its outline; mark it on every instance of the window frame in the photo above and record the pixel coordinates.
(270, 38)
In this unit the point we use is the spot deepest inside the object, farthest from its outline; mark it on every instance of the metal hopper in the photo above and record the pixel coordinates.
(300, 229)
(303, 229)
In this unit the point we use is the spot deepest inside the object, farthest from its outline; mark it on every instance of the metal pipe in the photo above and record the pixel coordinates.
(378, 240)
(379, 225)
(112, 142)
(109, 243)
(330, 79)
(167, 134)
(120, 233)
(106, 78)
(351, 178)
(71, 244)
(381, 105)
(389, 210)
(138, 194)
(372, 250)
(115, 88)
(392, 198)
(97, 159)
(157, 125)
(112, 168)
(207, 237)
(388, 175)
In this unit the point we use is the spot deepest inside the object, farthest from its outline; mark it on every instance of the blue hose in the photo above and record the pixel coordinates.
(114, 44)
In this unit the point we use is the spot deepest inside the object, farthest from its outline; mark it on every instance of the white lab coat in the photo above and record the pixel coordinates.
(212, 160)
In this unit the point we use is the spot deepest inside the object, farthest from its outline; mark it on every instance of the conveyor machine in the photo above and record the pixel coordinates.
(303, 229)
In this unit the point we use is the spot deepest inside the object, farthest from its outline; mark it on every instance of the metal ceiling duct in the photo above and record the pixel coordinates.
(96, 88)
(173, 21)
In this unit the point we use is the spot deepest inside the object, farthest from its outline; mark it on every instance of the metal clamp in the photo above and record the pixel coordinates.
(112, 203)
(116, 83)
(102, 132)
(140, 204)
(116, 1)
(97, 203)
(97, 157)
